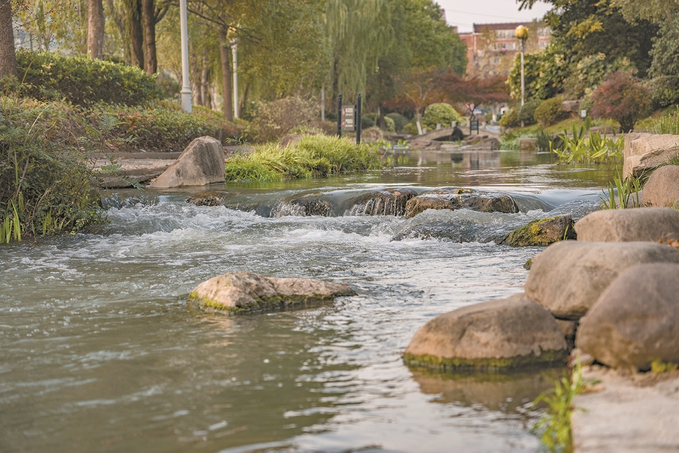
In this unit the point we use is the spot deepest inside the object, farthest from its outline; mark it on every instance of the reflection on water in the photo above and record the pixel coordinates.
(99, 351)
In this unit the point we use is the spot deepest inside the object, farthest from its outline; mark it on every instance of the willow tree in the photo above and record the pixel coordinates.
(8, 64)
(359, 32)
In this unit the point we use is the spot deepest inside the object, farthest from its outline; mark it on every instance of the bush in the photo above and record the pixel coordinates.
(527, 112)
(367, 122)
(623, 98)
(44, 186)
(49, 76)
(550, 112)
(410, 128)
(510, 119)
(275, 119)
(389, 123)
(441, 113)
(399, 120)
(311, 156)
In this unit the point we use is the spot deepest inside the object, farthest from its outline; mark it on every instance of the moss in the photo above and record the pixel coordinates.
(262, 304)
(486, 364)
(534, 234)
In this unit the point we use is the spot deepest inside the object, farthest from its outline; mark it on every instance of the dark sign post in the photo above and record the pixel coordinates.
(473, 124)
(349, 118)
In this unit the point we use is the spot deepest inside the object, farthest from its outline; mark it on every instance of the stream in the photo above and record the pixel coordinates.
(99, 351)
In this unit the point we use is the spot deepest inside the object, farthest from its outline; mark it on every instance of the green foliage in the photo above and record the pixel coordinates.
(390, 124)
(544, 74)
(275, 119)
(660, 366)
(555, 426)
(623, 98)
(665, 66)
(622, 194)
(399, 120)
(311, 156)
(584, 146)
(80, 80)
(527, 112)
(510, 119)
(440, 113)
(550, 112)
(668, 124)
(367, 122)
(44, 186)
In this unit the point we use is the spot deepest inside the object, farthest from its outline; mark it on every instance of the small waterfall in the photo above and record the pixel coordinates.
(284, 209)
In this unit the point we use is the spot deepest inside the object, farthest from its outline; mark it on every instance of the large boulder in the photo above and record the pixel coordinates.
(662, 188)
(245, 292)
(629, 225)
(459, 198)
(645, 152)
(636, 319)
(569, 276)
(499, 334)
(201, 163)
(541, 232)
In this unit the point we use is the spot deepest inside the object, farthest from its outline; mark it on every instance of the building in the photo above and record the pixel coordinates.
(491, 48)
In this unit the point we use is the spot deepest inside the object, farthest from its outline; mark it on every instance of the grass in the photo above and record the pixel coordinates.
(312, 156)
(627, 191)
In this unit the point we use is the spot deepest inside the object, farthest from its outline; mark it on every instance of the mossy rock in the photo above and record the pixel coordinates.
(541, 232)
(492, 364)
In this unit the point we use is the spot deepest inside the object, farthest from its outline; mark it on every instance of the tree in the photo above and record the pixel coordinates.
(8, 64)
(135, 31)
(418, 88)
(473, 91)
(623, 98)
(95, 29)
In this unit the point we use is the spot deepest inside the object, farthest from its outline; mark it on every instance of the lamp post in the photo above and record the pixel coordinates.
(521, 34)
(186, 87)
(234, 51)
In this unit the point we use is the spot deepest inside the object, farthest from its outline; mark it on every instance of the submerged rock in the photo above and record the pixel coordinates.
(636, 320)
(541, 232)
(381, 202)
(662, 188)
(205, 199)
(629, 225)
(246, 292)
(569, 276)
(499, 334)
(312, 204)
(201, 163)
(459, 198)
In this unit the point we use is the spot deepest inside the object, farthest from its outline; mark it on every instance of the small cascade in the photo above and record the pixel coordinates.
(284, 209)
(384, 202)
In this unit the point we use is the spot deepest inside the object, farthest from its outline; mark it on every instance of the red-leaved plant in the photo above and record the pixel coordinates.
(623, 98)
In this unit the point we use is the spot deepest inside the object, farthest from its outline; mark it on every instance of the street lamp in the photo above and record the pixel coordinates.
(521, 34)
(186, 87)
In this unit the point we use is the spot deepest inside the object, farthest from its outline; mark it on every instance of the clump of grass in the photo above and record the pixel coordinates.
(584, 146)
(668, 124)
(627, 191)
(555, 426)
(311, 156)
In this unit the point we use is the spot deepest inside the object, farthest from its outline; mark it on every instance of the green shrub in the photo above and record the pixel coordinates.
(441, 113)
(82, 81)
(311, 156)
(367, 122)
(44, 185)
(527, 112)
(510, 119)
(275, 119)
(410, 128)
(550, 112)
(399, 120)
(389, 123)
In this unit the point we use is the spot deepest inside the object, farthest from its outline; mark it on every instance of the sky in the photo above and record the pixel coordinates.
(464, 13)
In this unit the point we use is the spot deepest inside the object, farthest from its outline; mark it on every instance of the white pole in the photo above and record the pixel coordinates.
(234, 49)
(523, 83)
(186, 87)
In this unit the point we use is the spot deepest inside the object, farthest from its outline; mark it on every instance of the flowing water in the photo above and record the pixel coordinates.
(100, 353)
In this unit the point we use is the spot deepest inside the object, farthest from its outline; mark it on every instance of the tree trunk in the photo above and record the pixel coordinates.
(149, 10)
(225, 57)
(417, 121)
(8, 62)
(136, 32)
(204, 92)
(95, 29)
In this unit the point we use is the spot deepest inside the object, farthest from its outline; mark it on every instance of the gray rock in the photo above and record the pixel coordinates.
(312, 204)
(636, 319)
(499, 334)
(459, 198)
(206, 199)
(381, 202)
(644, 152)
(571, 106)
(629, 225)
(201, 163)
(569, 276)
(528, 143)
(541, 232)
(662, 188)
(245, 292)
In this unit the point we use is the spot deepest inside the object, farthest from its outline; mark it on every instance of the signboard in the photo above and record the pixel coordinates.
(474, 125)
(348, 118)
